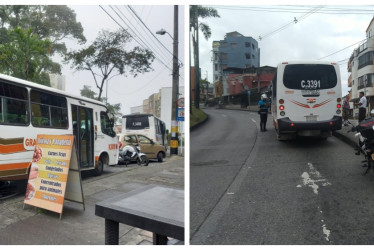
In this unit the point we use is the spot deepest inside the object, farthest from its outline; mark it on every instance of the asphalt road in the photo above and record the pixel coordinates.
(248, 188)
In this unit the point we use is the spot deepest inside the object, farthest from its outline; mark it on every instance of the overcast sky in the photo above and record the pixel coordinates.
(130, 91)
(312, 37)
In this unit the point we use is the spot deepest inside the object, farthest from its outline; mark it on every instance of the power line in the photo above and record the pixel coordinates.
(132, 35)
(292, 9)
(342, 49)
(137, 33)
(152, 33)
(296, 20)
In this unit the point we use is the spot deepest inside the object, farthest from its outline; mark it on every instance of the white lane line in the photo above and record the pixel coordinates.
(223, 115)
(253, 120)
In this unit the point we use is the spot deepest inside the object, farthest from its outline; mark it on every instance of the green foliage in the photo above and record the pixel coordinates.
(114, 109)
(197, 116)
(87, 92)
(27, 57)
(53, 22)
(107, 55)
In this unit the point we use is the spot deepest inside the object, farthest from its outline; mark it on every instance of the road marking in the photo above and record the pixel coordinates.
(312, 178)
(223, 115)
(326, 232)
(253, 120)
(230, 193)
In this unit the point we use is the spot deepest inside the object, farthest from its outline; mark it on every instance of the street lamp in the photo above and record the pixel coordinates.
(175, 87)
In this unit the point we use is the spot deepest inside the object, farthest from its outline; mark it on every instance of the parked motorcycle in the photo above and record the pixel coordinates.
(365, 133)
(132, 153)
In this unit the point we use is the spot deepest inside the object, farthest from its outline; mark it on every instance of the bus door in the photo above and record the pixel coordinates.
(84, 134)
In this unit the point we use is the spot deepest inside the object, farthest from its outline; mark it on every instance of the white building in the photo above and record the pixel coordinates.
(57, 81)
(361, 66)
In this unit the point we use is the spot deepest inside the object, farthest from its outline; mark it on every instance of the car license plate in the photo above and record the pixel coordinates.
(311, 118)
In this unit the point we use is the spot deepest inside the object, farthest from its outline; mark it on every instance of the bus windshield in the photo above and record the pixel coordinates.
(309, 76)
(137, 122)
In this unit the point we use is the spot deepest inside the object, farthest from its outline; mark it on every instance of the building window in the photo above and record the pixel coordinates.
(253, 56)
(216, 67)
(247, 45)
(253, 47)
(247, 56)
(224, 66)
(223, 56)
(215, 57)
(215, 77)
(223, 44)
(234, 45)
(366, 59)
(365, 79)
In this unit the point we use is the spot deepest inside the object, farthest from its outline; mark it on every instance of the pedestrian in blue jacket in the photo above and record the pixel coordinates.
(263, 104)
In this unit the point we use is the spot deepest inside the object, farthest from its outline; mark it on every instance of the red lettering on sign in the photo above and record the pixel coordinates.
(30, 142)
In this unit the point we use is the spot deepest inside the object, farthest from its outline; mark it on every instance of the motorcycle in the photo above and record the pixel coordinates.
(132, 153)
(365, 133)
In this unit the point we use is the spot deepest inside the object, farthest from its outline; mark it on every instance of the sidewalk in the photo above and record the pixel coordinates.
(33, 226)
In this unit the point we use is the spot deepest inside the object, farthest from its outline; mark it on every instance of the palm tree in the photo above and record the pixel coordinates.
(196, 12)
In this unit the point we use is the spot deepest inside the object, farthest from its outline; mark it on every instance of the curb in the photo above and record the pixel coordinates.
(199, 124)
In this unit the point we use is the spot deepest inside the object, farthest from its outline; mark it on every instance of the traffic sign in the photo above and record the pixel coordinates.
(180, 102)
(180, 114)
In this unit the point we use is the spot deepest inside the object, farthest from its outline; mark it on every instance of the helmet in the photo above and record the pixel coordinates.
(263, 96)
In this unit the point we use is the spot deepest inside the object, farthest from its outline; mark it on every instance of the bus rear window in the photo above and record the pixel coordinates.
(309, 76)
(137, 122)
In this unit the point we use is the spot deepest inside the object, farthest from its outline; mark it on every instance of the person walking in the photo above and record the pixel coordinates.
(362, 107)
(263, 104)
(345, 110)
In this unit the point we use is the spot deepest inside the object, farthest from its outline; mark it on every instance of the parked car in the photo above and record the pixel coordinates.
(147, 146)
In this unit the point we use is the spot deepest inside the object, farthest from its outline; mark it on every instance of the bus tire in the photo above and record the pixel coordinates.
(160, 156)
(99, 167)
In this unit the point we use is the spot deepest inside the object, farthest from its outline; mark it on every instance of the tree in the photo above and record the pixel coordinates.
(115, 109)
(53, 22)
(196, 12)
(107, 55)
(27, 57)
(87, 92)
(31, 34)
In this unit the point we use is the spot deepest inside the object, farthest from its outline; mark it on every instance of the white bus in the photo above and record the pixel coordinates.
(28, 109)
(306, 99)
(145, 124)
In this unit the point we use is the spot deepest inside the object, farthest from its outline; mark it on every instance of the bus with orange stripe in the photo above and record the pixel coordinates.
(306, 99)
(28, 109)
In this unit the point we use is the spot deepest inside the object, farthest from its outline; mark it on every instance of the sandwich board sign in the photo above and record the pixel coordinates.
(54, 174)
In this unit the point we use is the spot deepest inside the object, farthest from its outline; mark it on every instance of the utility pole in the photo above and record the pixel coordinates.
(175, 88)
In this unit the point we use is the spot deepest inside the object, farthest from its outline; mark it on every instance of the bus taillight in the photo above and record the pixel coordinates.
(339, 106)
(281, 107)
(339, 100)
(281, 101)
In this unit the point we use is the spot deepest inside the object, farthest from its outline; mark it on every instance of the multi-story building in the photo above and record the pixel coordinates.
(361, 66)
(234, 52)
(57, 81)
(136, 110)
(159, 104)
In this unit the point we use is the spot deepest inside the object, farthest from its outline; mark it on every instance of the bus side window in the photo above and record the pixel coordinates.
(14, 105)
(48, 110)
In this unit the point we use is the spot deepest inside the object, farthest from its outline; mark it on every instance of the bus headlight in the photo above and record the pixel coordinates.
(282, 113)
